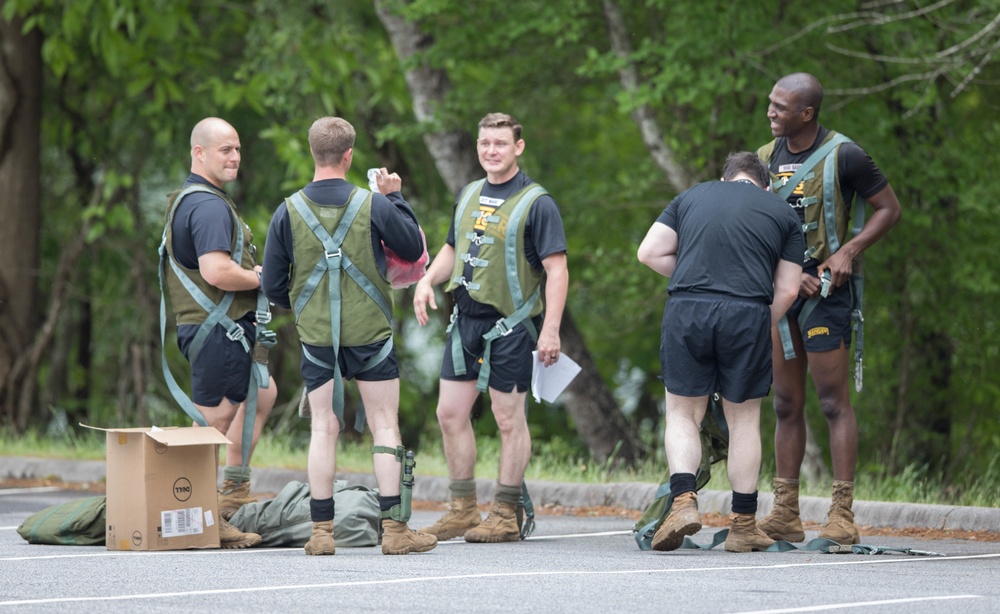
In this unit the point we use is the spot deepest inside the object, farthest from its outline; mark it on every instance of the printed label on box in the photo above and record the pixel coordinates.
(175, 523)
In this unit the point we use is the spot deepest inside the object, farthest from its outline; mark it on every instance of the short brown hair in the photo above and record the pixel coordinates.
(501, 120)
(329, 140)
(747, 163)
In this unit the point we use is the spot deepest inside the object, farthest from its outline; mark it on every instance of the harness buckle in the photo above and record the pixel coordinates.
(502, 326)
(798, 204)
(235, 334)
(263, 317)
(336, 254)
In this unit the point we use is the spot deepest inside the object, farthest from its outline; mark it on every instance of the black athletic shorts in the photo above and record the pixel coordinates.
(829, 324)
(222, 369)
(714, 343)
(351, 360)
(510, 356)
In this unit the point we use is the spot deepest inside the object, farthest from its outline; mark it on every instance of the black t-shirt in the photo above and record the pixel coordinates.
(543, 235)
(392, 222)
(856, 171)
(202, 223)
(731, 235)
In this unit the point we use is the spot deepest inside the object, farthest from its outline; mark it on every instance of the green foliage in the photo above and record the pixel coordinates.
(125, 80)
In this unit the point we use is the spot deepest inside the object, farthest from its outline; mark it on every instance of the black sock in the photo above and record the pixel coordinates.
(386, 503)
(744, 503)
(321, 510)
(681, 483)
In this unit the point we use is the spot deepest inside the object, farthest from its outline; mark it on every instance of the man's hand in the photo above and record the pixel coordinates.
(388, 182)
(809, 286)
(423, 295)
(548, 347)
(840, 265)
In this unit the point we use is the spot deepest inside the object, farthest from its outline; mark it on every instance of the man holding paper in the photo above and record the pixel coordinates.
(505, 239)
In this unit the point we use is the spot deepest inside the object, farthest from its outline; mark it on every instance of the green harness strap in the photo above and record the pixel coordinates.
(504, 326)
(828, 154)
(332, 264)
(265, 339)
(822, 545)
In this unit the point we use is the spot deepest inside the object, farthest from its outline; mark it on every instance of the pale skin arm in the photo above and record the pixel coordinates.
(786, 288)
(841, 264)
(219, 270)
(556, 288)
(658, 249)
(437, 273)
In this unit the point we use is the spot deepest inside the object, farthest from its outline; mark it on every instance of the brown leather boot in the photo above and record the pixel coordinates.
(230, 537)
(683, 520)
(840, 525)
(745, 535)
(500, 525)
(397, 538)
(783, 522)
(461, 516)
(321, 541)
(232, 497)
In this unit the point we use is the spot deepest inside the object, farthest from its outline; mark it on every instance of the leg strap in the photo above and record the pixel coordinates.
(401, 512)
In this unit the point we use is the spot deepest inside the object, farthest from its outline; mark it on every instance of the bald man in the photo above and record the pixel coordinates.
(210, 246)
(820, 173)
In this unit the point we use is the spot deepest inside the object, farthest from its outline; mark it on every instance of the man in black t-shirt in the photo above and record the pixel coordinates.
(203, 231)
(506, 237)
(732, 252)
(821, 344)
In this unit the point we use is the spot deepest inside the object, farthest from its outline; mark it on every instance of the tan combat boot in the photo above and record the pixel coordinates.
(783, 522)
(840, 525)
(397, 538)
(232, 497)
(683, 520)
(745, 535)
(500, 526)
(321, 541)
(461, 516)
(230, 537)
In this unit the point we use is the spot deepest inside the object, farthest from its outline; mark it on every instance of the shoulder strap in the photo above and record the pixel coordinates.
(811, 163)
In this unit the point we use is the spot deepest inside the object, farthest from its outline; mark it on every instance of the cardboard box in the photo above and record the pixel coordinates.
(161, 488)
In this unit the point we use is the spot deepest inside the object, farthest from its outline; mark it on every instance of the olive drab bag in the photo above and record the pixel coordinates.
(286, 521)
(75, 523)
(714, 448)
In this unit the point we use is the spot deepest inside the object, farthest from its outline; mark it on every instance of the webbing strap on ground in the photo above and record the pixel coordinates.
(822, 545)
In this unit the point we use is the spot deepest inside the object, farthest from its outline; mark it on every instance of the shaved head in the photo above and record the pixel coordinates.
(806, 89)
(209, 131)
(215, 151)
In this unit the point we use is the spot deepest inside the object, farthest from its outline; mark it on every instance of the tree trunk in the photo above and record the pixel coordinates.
(592, 406)
(452, 149)
(643, 115)
(20, 121)
(595, 412)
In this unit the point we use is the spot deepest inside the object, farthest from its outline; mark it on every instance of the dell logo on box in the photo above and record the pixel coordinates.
(182, 489)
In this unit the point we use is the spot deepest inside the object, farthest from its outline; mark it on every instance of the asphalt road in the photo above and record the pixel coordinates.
(571, 564)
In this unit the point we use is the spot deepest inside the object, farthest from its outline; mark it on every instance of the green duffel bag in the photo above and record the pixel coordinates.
(75, 523)
(285, 520)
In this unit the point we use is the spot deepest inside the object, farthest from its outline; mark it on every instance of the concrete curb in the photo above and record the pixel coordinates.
(628, 495)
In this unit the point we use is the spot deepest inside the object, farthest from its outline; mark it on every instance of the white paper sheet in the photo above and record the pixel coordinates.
(548, 382)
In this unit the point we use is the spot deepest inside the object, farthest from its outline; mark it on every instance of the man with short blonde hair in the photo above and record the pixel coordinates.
(325, 258)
